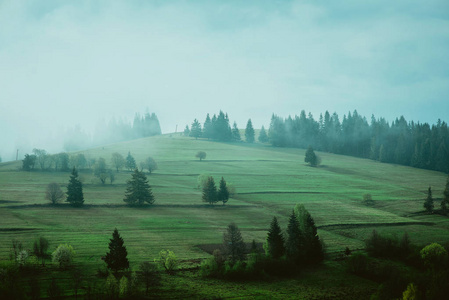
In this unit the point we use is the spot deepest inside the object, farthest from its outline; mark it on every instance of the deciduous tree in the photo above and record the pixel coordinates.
(148, 275)
(168, 261)
(40, 248)
(63, 255)
(28, 162)
(53, 193)
(201, 155)
(118, 161)
(150, 164)
(100, 170)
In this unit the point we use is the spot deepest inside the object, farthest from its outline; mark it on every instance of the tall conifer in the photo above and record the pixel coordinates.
(75, 190)
(274, 246)
(116, 258)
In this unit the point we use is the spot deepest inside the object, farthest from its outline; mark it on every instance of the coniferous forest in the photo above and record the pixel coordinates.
(413, 144)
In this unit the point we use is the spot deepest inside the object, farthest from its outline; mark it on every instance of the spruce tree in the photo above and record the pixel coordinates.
(138, 190)
(207, 128)
(311, 157)
(428, 203)
(445, 202)
(236, 133)
(263, 137)
(75, 190)
(274, 245)
(233, 244)
(210, 191)
(312, 249)
(130, 163)
(186, 131)
(223, 193)
(116, 258)
(195, 129)
(249, 132)
(293, 246)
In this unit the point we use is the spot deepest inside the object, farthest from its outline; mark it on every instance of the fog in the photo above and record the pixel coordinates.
(75, 63)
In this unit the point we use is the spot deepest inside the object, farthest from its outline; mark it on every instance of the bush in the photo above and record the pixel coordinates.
(168, 261)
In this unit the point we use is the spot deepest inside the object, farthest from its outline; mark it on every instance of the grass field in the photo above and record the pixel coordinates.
(269, 182)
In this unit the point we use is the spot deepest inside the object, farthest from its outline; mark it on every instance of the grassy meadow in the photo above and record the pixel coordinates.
(269, 182)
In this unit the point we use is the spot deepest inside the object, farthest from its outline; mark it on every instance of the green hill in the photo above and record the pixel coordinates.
(269, 182)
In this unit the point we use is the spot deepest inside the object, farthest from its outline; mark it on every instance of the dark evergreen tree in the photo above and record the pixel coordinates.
(195, 129)
(311, 157)
(221, 128)
(130, 163)
(223, 193)
(116, 258)
(249, 132)
(445, 201)
(263, 137)
(236, 133)
(274, 245)
(186, 131)
(428, 203)
(207, 128)
(233, 244)
(293, 245)
(210, 191)
(75, 194)
(312, 248)
(138, 190)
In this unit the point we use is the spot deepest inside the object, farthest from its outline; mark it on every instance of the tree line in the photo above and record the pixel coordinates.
(407, 143)
(112, 132)
(218, 128)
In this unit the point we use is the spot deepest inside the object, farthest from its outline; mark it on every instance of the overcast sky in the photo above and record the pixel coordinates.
(64, 63)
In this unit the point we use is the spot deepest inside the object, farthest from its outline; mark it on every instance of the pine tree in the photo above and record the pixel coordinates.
(428, 203)
(249, 132)
(130, 163)
(311, 157)
(445, 202)
(263, 137)
(138, 190)
(75, 190)
(294, 239)
(312, 249)
(236, 133)
(233, 244)
(274, 245)
(116, 258)
(186, 131)
(223, 193)
(195, 129)
(210, 191)
(207, 128)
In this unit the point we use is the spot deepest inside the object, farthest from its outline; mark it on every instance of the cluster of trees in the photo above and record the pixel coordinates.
(213, 195)
(218, 128)
(284, 255)
(99, 167)
(427, 268)
(138, 190)
(414, 144)
(120, 282)
(112, 132)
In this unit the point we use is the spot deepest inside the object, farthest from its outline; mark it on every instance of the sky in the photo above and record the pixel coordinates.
(72, 63)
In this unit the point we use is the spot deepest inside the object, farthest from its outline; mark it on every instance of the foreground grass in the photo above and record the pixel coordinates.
(269, 182)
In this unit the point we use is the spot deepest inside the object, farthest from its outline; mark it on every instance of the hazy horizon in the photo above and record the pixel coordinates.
(77, 62)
